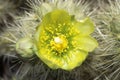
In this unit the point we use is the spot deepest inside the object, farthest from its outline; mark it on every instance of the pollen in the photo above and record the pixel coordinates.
(58, 40)
(59, 43)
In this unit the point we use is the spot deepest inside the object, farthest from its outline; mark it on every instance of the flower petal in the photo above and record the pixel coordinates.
(86, 43)
(51, 59)
(56, 17)
(85, 26)
(73, 59)
(67, 61)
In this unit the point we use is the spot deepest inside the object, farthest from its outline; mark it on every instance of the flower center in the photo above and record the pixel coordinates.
(59, 43)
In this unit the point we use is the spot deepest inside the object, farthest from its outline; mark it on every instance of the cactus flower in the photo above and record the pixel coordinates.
(62, 41)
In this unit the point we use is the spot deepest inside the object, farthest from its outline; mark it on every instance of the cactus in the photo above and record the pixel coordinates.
(106, 58)
(7, 10)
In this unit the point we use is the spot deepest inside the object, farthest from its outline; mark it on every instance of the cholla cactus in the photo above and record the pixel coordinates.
(7, 8)
(56, 32)
(107, 56)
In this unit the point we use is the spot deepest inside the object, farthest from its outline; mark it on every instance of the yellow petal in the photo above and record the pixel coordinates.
(73, 59)
(86, 43)
(85, 26)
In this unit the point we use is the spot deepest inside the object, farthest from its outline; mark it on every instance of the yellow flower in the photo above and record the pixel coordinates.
(63, 42)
